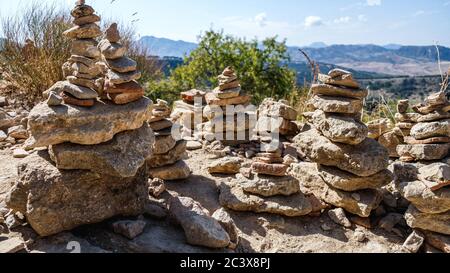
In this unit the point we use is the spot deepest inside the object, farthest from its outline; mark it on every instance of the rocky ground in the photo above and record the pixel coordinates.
(259, 232)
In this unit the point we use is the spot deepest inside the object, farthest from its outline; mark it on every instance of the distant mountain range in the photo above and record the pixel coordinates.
(390, 59)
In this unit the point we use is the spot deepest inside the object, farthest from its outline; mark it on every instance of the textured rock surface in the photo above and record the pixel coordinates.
(98, 124)
(178, 171)
(439, 223)
(174, 155)
(349, 182)
(227, 223)
(200, 228)
(426, 152)
(431, 129)
(424, 199)
(365, 159)
(336, 104)
(338, 128)
(268, 186)
(227, 165)
(234, 198)
(121, 157)
(54, 201)
(329, 90)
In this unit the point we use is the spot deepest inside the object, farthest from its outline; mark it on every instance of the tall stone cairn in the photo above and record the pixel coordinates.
(121, 85)
(167, 162)
(423, 176)
(349, 167)
(228, 93)
(83, 74)
(93, 166)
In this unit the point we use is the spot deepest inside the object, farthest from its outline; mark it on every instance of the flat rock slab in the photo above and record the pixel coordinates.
(233, 197)
(55, 125)
(346, 181)
(174, 155)
(178, 171)
(424, 151)
(268, 186)
(121, 157)
(272, 108)
(336, 104)
(423, 198)
(431, 129)
(365, 159)
(54, 201)
(439, 223)
(335, 91)
(435, 176)
(433, 140)
(338, 128)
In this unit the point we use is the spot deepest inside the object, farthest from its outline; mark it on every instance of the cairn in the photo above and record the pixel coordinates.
(121, 85)
(423, 176)
(349, 168)
(168, 153)
(188, 112)
(382, 131)
(276, 118)
(89, 163)
(226, 106)
(82, 72)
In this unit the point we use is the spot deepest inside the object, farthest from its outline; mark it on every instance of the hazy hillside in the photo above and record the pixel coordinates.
(163, 47)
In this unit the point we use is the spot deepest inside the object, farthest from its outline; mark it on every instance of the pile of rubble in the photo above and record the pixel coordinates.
(349, 168)
(169, 149)
(13, 127)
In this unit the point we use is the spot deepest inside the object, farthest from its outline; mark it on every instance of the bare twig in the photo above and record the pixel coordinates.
(314, 66)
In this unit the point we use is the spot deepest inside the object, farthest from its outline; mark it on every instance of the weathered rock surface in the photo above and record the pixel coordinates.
(414, 242)
(54, 201)
(426, 152)
(129, 229)
(435, 176)
(269, 169)
(337, 128)
(174, 155)
(200, 228)
(424, 199)
(233, 197)
(346, 181)
(178, 171)
(268, 186)
(336, 104)
(121, 157)
(227, 165)
(55, 125)
(338, 216)
(163, 144)
(438, 241)
(431, 129)
(365, 159)
(390, 141)
(227, 223)
(272, 108)
(329, 90)
(439, 223)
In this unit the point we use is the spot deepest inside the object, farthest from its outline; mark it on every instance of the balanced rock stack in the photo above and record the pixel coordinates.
(82, 72)
(276, 117)
(223, 122)
(166, 163)
(90, 165)
(349, 167)
(429, 138)
(188, 112)
(121, 84)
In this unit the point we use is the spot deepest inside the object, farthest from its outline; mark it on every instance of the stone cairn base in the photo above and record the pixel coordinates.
(188, 114)
(168, 152)
(349, 167)
(423, 175)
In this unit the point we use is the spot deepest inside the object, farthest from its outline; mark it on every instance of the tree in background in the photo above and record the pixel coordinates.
(261, 67)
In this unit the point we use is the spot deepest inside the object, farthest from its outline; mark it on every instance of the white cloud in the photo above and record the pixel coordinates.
(362, 18)
(342, 20)
(372, 3)
(313, 21)
(418, 13)
(261, 19)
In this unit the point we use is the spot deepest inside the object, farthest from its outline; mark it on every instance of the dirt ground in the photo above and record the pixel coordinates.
(259, 232)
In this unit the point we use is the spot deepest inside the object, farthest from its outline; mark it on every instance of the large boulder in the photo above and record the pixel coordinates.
(338, 128)
(364, 159)
(55, 200)
(431, 129)
(439, 223)
(121, 157)
(87, 126)
(423, 198)
(346, 181)
(233, 197)
(200, 228)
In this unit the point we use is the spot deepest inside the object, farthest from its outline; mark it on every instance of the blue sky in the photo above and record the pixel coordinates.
(412, 22)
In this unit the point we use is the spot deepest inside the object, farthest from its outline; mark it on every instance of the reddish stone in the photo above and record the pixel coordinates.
(69, 99)
(132, 87)
(125, 98)
(269, 169)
